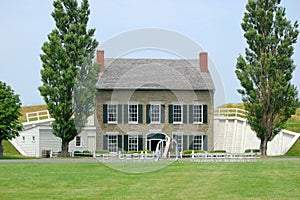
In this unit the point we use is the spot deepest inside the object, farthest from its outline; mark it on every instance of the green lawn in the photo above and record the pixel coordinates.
(180, 180)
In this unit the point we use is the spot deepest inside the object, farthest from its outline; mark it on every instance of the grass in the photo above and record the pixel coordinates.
(10, 152)
(294, 150)
(180, 180)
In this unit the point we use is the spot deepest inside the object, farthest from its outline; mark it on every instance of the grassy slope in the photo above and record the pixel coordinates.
(27, 109)
(180, 180)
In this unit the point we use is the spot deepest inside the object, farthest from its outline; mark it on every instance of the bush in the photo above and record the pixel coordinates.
(253, 150)
(217, 151)
(86, 151)
(77, 152)
(189, 151)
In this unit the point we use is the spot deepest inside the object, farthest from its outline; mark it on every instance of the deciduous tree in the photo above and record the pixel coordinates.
(10, 105)
(265, 73)
(68, 50)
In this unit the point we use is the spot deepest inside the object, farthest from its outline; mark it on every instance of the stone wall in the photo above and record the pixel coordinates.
(145, 97)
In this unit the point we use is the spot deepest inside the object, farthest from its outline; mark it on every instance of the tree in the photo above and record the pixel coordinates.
(10, 105)
(266, 71)
(69, 47)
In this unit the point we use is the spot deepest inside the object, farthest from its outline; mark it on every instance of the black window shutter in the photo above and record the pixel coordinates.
(140, 143)
(191, 113)
(126, 114)
(191, 142)
(171, 114)
(148, 113)
(184, 142)
(104, 113)
(119, 142)
(140, 113)
(162, 115)
(119, 113)
(184, 114)
(205, 114)
(105, 140)
(125, 142)
(205, 142)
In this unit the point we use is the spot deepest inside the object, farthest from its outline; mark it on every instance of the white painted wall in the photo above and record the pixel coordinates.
(234, 135)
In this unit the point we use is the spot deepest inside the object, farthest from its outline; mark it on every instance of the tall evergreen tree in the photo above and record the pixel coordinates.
(266, 71)
(10, 105)
(69, 47)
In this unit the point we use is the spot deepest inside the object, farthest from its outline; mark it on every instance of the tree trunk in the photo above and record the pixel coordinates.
(263, 146)
(65, 148)
(1, 149)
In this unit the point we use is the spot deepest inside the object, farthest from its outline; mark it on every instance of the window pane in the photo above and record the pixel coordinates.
(198, 141)
(112, 113)
(112, 143)
(179, 142)
(132, 143)
(133, 113)
(77, 141)
(197, 114)
(155, 113)
(177, 113)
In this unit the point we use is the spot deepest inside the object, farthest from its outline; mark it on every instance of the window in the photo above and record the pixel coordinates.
(112, 113)
(77, 141)
(33, 138)
(155, 113)
(23, 138)
(132, 143)
(133, 113)
(177, 114)
(179, 141)
(198, 142)
(197, 114)
(112, 143)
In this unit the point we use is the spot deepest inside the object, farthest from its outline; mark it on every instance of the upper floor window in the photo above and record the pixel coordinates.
(133, 113)
(197, 114)
(155, 113)
(177, 113)
(112, 113)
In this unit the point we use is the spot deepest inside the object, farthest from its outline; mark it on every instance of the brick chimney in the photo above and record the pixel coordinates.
(100, 59)
(203, 61)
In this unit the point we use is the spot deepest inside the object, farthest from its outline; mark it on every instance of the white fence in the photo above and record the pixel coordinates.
(230, 112)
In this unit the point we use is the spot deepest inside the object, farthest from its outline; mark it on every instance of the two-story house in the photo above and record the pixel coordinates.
(140, 101)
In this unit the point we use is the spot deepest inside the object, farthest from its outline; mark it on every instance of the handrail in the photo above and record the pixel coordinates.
(38, 115)
(230, 112)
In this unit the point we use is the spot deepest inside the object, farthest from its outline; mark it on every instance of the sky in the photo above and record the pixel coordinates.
(213, 25)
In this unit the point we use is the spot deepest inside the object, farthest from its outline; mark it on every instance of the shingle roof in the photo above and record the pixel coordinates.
(173, 74)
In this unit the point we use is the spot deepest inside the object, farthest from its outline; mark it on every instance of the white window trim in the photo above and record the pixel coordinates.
(178, 104)
(198, 104)
(159, 113)
(137, 113)
(76, 141)
(112, 122)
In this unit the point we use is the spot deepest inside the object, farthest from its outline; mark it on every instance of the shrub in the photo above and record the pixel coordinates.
(86, 151)
(77, 152)
(217, 151)
(189, 151)
(253, 150)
